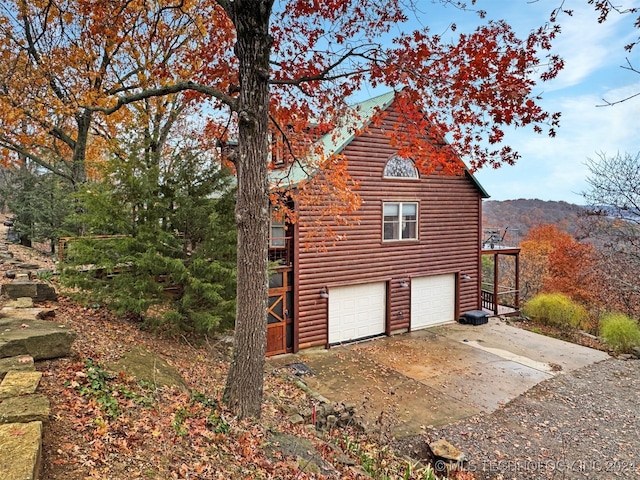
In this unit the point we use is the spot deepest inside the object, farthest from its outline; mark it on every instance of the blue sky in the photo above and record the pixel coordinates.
(553, 168)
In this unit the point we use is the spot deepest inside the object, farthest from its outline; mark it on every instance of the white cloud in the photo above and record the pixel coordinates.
(586, 46)
(553, 168)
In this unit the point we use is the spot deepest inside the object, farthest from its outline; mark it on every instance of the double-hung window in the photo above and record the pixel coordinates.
(400, 221)
(277, 238)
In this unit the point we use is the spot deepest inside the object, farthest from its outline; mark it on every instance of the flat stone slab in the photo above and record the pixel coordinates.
(22, 302)
(20, 450)
(26, 313)
(21, 363)
(149, 367)
(40, 339)
(19, 383)
(40, 292)
(25, 409)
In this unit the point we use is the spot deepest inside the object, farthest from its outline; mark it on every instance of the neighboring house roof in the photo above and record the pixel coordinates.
(334, 142)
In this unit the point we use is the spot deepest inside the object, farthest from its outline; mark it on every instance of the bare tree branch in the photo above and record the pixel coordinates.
(167, 90)
(8, 144)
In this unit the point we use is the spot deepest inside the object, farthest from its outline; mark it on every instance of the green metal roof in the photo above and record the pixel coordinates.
(356, 119)
(332, 143)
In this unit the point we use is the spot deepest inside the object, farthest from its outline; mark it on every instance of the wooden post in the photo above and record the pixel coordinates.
(517, 302)
(496, 277)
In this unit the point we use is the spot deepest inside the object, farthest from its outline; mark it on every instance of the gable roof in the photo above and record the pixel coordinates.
(357, 119)
(332, 143)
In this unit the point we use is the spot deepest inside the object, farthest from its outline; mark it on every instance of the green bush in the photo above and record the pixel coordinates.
(619, 332)
(160, 247)
(555, 309)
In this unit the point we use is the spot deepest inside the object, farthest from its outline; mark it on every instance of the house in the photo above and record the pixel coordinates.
(413, 261)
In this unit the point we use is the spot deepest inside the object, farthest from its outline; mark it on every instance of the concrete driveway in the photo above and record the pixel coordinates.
(439, 375)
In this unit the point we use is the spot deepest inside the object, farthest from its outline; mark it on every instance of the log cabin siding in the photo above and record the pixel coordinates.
(448, 240)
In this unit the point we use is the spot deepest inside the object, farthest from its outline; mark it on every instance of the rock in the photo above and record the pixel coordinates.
(11, 274)
(22, 302)
(149, 367)
(28, 266)
(332, 421)
(15, 384)
(21, 363)
(25, 409)
(307, 457)
(24, 441)
(17, 289)
(27, 313)
(296, 419)
(40, 339)
(290, 409)
(443, 450)
(308, 465)
(625, 356)
(635, 351)
(40, 292)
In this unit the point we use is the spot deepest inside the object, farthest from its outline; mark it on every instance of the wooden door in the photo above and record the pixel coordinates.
(279, 313)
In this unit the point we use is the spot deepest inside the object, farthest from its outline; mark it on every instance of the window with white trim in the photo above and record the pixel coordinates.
(400, 167)
(400, 221)
(277, 238)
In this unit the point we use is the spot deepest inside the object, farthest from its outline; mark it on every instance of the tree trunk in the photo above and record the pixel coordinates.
(78, 162)
(244, 387)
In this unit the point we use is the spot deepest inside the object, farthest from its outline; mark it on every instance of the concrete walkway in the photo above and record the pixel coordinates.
(438, 375)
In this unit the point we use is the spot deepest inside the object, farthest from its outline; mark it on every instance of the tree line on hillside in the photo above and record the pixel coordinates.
(590, 254)
(522, 215)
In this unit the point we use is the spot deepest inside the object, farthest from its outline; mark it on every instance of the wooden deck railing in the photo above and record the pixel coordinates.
(498, 305)
(281, 250)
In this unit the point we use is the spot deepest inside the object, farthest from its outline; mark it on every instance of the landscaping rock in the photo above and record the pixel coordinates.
(307, 457)
(296, 419)
(40, 292)
(27, 313)
(21, 288)
(149, 367)
(443, 450)
(22, 302)
(38, 338)
(25, 409)
(28, 266)
(21, 363)
(16, 384)
(24, 441)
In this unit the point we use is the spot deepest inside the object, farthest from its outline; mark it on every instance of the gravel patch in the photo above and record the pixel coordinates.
(577, 425)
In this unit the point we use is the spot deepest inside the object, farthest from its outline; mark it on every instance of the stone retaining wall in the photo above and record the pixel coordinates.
(23, 413)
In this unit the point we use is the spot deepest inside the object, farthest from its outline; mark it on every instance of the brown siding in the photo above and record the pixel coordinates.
(448, 231)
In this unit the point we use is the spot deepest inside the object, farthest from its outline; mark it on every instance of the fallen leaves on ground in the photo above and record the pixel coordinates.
(107, 425)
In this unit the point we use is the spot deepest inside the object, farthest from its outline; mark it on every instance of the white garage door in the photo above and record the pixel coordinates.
(356, 311)
(432, 300)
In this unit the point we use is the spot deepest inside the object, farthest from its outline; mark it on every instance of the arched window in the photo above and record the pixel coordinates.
(399, 167)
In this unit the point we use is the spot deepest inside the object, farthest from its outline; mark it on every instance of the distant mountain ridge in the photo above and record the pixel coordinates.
(520, 215)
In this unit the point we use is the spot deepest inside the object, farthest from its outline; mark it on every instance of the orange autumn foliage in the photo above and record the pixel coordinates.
(554, 261)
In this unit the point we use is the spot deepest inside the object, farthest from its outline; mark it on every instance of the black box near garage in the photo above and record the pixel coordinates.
(474, 317)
